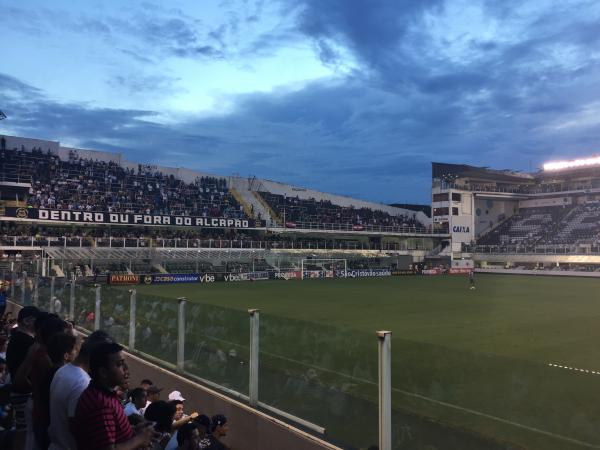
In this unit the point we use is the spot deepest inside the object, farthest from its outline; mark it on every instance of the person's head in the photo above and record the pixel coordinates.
(138, 397)
(162, 413)
(107, 365)
(146, 383)
(188, 437)
(203, 422)
(93, 340)
(26, 318)
(153, 393)
(178, 408)
(219, 426)
(62, 348)
(47, 325)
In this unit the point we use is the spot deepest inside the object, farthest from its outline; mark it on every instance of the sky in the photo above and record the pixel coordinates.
(354, 97)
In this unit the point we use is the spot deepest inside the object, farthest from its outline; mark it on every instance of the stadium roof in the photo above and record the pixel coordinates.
(450, 172)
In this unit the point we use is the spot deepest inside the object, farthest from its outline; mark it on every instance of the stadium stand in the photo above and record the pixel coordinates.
(295, 212)
(91, 185)
(550, 226)
(527, 227)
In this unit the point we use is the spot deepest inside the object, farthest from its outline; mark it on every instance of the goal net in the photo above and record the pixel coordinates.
(324, 268)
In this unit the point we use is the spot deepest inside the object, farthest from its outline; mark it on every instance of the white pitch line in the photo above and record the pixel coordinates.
(593, 372)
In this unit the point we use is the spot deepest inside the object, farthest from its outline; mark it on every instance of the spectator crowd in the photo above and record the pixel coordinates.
(294, 210)
(62, 390)
(92, 185)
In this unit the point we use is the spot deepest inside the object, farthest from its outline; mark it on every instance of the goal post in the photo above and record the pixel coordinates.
(325, 264)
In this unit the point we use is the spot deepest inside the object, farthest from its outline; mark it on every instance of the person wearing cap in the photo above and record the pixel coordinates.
(219, 428)
(181, 418)
(21, 339)
(152, 395)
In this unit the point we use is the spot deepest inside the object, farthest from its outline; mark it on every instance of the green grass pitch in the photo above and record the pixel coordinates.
(483, 360)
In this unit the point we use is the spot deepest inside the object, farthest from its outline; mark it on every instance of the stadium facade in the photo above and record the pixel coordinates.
(547, 217)
(72, 207)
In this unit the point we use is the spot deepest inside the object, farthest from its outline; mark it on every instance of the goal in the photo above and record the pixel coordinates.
(324, 268)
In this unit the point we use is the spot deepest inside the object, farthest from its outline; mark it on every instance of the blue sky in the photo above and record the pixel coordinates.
(355, 97)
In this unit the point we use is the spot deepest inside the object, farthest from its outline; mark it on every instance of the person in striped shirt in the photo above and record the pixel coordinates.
(100, 422)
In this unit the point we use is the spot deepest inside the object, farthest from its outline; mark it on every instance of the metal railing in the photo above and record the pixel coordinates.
(177, 243)
(573, 249)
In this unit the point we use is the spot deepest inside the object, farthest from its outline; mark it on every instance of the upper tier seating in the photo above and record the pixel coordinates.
(91, 185)
(297, 211)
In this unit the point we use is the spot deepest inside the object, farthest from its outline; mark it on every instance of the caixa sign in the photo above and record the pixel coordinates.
(461, 229)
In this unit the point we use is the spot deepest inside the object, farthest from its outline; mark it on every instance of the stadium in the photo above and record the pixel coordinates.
(178, 266)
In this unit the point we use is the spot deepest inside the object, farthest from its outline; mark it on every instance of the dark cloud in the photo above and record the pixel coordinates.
(508, 100)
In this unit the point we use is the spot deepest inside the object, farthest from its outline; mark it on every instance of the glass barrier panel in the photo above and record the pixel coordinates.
(114, 312)
(322, 374)
(85, 304)
(217, 345)
(156, 327)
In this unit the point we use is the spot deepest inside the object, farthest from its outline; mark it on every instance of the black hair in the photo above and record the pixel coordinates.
(185, 433)
(216, 421)
(47, 325)
(203, 421)
(96, 338)
(100, 354)
(162, 413)
(175, 402)
(136, 393)
(147, 381)
(60, 344)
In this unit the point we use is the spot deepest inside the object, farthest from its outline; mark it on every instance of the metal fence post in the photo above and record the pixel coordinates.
(181, 334)
(385, 390)
(72, 298)
(23, 287)
(97, 311)
(132, 312)
(36, 291)
(254, 348)
(52, 283)
(12, 284)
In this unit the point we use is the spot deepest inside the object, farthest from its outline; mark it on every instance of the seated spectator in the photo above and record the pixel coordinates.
(219, 428)
(188, 437)
(146, 383)
(100, 422)
(137, 402)
(162, 414)
(67, 385)
(153, 394)
(181, 418)
(204, 427)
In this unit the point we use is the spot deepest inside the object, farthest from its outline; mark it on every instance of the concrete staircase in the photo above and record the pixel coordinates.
(243, 189)
(57, 270)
